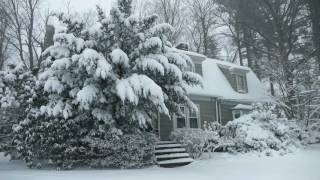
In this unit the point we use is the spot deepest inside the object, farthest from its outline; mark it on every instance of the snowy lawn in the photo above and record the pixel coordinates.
(302, 165)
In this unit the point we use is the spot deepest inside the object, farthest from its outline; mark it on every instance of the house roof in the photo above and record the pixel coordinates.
(242, 107)
(215, 83)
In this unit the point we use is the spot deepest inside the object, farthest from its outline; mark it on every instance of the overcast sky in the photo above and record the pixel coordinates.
(77, 5)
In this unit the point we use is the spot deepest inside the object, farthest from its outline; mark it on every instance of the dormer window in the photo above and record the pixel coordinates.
(241, 81)
(198, 68)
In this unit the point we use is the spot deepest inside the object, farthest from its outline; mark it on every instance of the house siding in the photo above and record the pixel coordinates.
(207, 113)
(166, 127)
(226, 112)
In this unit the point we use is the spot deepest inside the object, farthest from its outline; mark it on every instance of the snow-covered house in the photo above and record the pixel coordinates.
(227, 93)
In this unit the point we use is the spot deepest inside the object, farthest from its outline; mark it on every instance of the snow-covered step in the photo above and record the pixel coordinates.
(162, 146)
(171, 150)
(171, 156)
(175, 162)
(165, 142)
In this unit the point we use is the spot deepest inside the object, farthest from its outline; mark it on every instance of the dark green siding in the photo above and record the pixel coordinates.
(207, 111)
(226, 112)
(166, 127)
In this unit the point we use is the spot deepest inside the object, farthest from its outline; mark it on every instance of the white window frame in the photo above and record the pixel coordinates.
(197, 116)
(178, 116)
(187, 118)
(241, 88)
(236, 111)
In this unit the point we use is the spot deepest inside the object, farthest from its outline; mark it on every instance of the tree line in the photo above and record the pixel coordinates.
(278, 39)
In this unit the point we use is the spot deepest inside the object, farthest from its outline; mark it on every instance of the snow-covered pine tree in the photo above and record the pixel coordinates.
(102, 87)
(17, 91)
(147, 61)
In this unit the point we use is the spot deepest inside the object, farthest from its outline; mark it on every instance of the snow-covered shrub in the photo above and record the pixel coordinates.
(311, 133)
(17, 92)
(123, 151)
(115, 78)
(82, 146)
(262, 131)
(197, 141)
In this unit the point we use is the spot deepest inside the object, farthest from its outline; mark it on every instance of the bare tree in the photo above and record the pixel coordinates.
(4, 24)
(23, 15)
(203, 12)
(172, 12)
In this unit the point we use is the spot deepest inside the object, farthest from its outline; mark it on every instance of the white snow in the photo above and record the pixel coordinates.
(170, 150)
(87, 95)
(173, 161)
(242, 106)
(119, 57)
(150, 64)
(168, 145)
(174, 155)
(53, 85)
(137, 86)
(303, 165)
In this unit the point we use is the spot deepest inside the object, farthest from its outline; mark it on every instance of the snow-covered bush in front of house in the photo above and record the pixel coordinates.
(250, 134)
(122, 151)
(262, 131)
(100, 83)
(196, 141)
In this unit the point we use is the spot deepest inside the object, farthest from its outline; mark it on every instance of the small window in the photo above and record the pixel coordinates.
(181, 120)
(236, 114)
(194, 117)
(241, 83)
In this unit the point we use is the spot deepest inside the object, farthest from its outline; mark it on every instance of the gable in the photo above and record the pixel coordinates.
(219, 80)
(236, 77)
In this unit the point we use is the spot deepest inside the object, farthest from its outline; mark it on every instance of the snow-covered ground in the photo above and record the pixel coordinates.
(302, 165)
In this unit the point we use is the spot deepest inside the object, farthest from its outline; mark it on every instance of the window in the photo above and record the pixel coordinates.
(181, 120)
(198, 69)
(241, 83)
(194, 118)
(236, 114)
(189, 119)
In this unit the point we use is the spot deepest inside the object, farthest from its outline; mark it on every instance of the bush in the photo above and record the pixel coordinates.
(197, 141)
(250, 133)
(125, 151)
(263, 130)
(109, 147)
(311, 133)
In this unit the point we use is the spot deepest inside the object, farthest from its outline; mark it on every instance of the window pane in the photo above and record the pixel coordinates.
(237, 115)
(193, 113)
(181, 122)
(193, 122)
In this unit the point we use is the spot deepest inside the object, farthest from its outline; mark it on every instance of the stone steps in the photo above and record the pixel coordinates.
(170, 154)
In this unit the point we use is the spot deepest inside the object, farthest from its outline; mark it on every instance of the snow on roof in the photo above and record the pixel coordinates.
(190, 53)
(242, 106)
(215, 84)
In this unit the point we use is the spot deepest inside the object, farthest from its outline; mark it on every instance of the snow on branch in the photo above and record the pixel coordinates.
(87, 95)
(140, 85)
